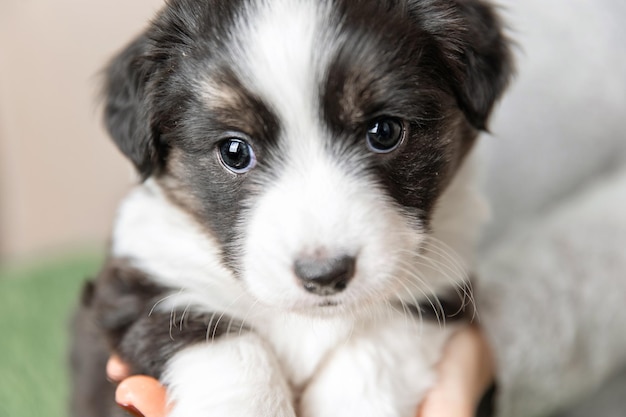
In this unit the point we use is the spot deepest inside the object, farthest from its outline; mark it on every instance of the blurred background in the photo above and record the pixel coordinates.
(561, 126)
(60, 181)
(60, 177)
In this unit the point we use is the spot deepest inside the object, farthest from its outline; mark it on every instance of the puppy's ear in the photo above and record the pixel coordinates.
(127, 110)
(475, 50)
(485, 64)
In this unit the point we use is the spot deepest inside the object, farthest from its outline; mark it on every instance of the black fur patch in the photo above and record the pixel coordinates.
(194, 176)
(125, 304)
(147, 85)
(118, 315)
(418, 62)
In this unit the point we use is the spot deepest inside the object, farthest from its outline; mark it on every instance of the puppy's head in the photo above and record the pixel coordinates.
(310, 139)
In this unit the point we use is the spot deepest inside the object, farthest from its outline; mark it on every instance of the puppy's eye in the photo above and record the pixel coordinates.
(385, 135)
(237, 155)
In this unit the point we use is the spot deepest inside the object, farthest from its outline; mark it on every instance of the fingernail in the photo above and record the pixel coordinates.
(130, 409)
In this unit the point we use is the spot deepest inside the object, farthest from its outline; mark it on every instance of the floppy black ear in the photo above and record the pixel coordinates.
(127, 111)
(485, 64)
(476, 51)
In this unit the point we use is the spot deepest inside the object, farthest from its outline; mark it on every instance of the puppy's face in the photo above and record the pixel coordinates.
(310, 139)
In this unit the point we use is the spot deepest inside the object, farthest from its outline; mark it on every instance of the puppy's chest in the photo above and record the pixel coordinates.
(302, 345)
(306, 348)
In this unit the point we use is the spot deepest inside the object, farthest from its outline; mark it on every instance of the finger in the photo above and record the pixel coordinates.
(465, 372)
(142, 394)
(447, 401)
(116, 369)
(470, 363)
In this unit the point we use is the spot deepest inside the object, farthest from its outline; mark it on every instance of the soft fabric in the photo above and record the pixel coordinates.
(552, 287)
(551, 299)
(561, 124)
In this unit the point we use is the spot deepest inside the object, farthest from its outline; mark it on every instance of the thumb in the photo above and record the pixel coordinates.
(143, 396)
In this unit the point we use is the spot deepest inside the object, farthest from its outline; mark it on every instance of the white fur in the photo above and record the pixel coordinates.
(382, 373)
(162, 240)
(228, 378)
(317, 206)
(282, 61)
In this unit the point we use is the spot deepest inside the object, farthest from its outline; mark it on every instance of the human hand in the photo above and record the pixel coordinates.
(140, 395)
(465, 373)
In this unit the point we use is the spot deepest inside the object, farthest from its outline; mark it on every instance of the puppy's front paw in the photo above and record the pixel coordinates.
(235, 377)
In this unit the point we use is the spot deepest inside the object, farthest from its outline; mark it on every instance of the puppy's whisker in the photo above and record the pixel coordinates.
(172, 321)
(246, 316)
(462, 289)
(219, 319)
(457, 281)
(209, 326)
(412, 277)
(451, 269)
(437, 267)
(182, 317)
(159, 301)
(391, 308)
(421, 290)
(447, 254)
(408, 312)
(437, 245)
(462, 283)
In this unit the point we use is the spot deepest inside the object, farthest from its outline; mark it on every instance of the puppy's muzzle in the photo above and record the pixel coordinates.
(325, 276)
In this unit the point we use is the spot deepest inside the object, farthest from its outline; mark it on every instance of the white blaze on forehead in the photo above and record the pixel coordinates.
(286, 46)
(319, 202)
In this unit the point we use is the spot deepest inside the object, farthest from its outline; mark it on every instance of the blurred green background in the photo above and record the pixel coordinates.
(36, 301)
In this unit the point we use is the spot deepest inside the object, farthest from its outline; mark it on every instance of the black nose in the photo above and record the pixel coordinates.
(325, 276)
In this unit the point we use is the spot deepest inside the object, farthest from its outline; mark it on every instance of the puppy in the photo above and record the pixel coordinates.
(301, 241)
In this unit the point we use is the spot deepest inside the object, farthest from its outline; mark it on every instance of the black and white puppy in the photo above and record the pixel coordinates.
(307, 201)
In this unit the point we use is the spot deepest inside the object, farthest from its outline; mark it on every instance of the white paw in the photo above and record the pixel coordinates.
(232, 377)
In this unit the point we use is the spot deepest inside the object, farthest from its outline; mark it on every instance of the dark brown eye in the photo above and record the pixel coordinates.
(384, 135)
(237, 155)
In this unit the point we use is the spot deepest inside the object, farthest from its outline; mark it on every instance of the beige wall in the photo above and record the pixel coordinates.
(60, 177)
